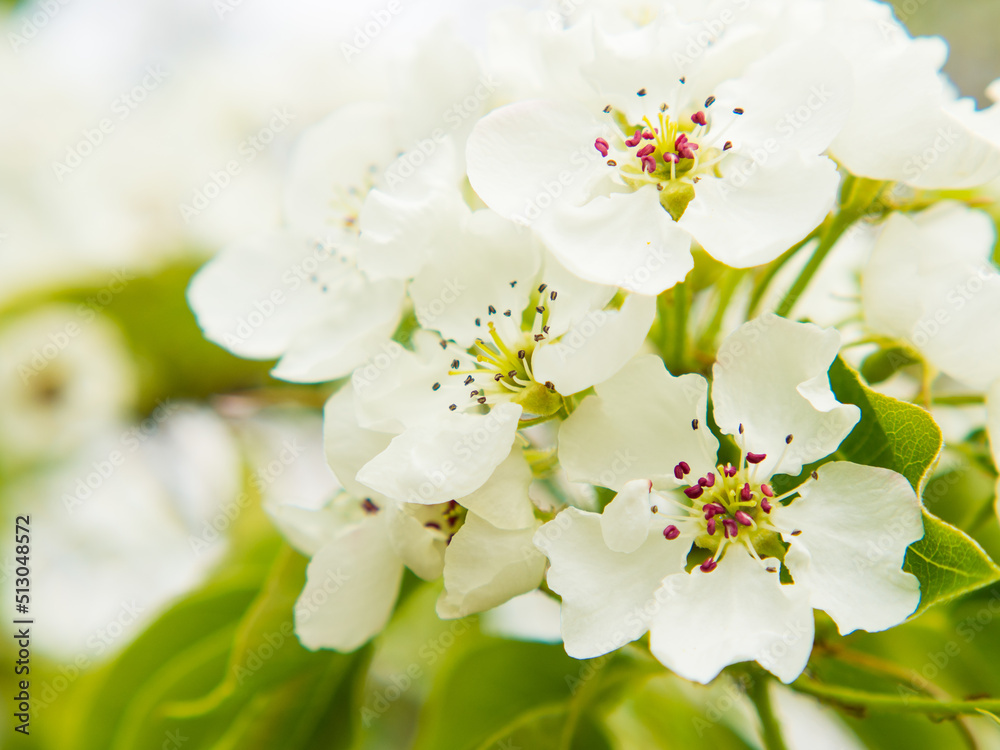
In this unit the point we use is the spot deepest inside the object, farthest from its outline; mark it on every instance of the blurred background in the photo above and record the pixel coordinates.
(149, 459)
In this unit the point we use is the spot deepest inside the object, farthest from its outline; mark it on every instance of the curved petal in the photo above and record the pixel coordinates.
(441, 461)
(503, 501)
(351, 587)
(625, 240)
(420, 548)
(626, 519)
(762, 206)
(334, 165)
(527, 155)
(738, 612)
(576, 298)
(596, 347)
(856, 523)
(485, 566)
(797, 97)
(639, 426)
(478, 261)
(349, 446)
(771, 376)
(607, 597)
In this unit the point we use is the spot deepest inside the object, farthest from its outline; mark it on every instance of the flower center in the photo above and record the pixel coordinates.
(672, 152)
(498, 369)
(732, 505)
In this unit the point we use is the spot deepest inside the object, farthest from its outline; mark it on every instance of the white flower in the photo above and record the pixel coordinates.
(931, 281)
(511, 349)
(65, 376)
(361, 540)
(841, 540)
(366, 190)
(907, 123)
(664, 150)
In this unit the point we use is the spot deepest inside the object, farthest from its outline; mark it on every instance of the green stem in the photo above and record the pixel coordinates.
(860, 699)
(858, 195)
(724, 294)
(759, 693)
(761, 287)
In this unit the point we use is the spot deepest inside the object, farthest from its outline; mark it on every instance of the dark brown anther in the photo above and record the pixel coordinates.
(453, 407)
(478, 322)
(542, 288)
(473, 394)
(796, 532)
(498, 377)
(545, 329)
(482, 399)
(512, 373)
(467, 380)
(521, 353)
(729, 145)
(710, 101)
(435, 386)
(513, 284)
(553, 295)
(550, 385)
(539, 337)
(507, 313)
(612, 163)
(607, 109)
(641, 92)
(443, 343)
(455, 364)
(492, 310)
(815, 475)
(694, 424)
(539, 309)
(738, 111)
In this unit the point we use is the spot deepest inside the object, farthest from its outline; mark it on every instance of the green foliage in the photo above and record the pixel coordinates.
(948, 563)
(892, 434)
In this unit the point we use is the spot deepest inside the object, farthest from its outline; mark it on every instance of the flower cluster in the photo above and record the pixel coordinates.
(518, 268)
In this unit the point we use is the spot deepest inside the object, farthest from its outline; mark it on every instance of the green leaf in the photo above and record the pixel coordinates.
(948, 563)
(903, 437)
(495, 693)
(892, 434)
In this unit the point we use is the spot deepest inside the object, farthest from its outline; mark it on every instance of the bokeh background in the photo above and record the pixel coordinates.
(150, 461)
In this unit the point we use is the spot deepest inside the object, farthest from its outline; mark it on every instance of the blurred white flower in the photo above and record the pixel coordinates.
(65, 375)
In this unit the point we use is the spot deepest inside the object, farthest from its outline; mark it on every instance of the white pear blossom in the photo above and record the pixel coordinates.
(360, 541)
(366, 189)
(665, 149)
(931, 282)
(707, 556)
(907, 123)
(510, 350)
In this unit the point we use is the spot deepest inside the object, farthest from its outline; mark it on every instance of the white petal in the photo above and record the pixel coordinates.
(485, 566)
(471, 266)
(348, 446)
(357, 322)
(797, 97)
(351, 587)
(503, 501)
(639, 426)
(576, 298)
(856, 523)
(596, 347)
(420, 548)
(626, 240)
(771, 376)
(331, 168)
(441, 461)
(762, 206)
(738, 612)
(523, 156)
(625, 521)
(607, 596)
